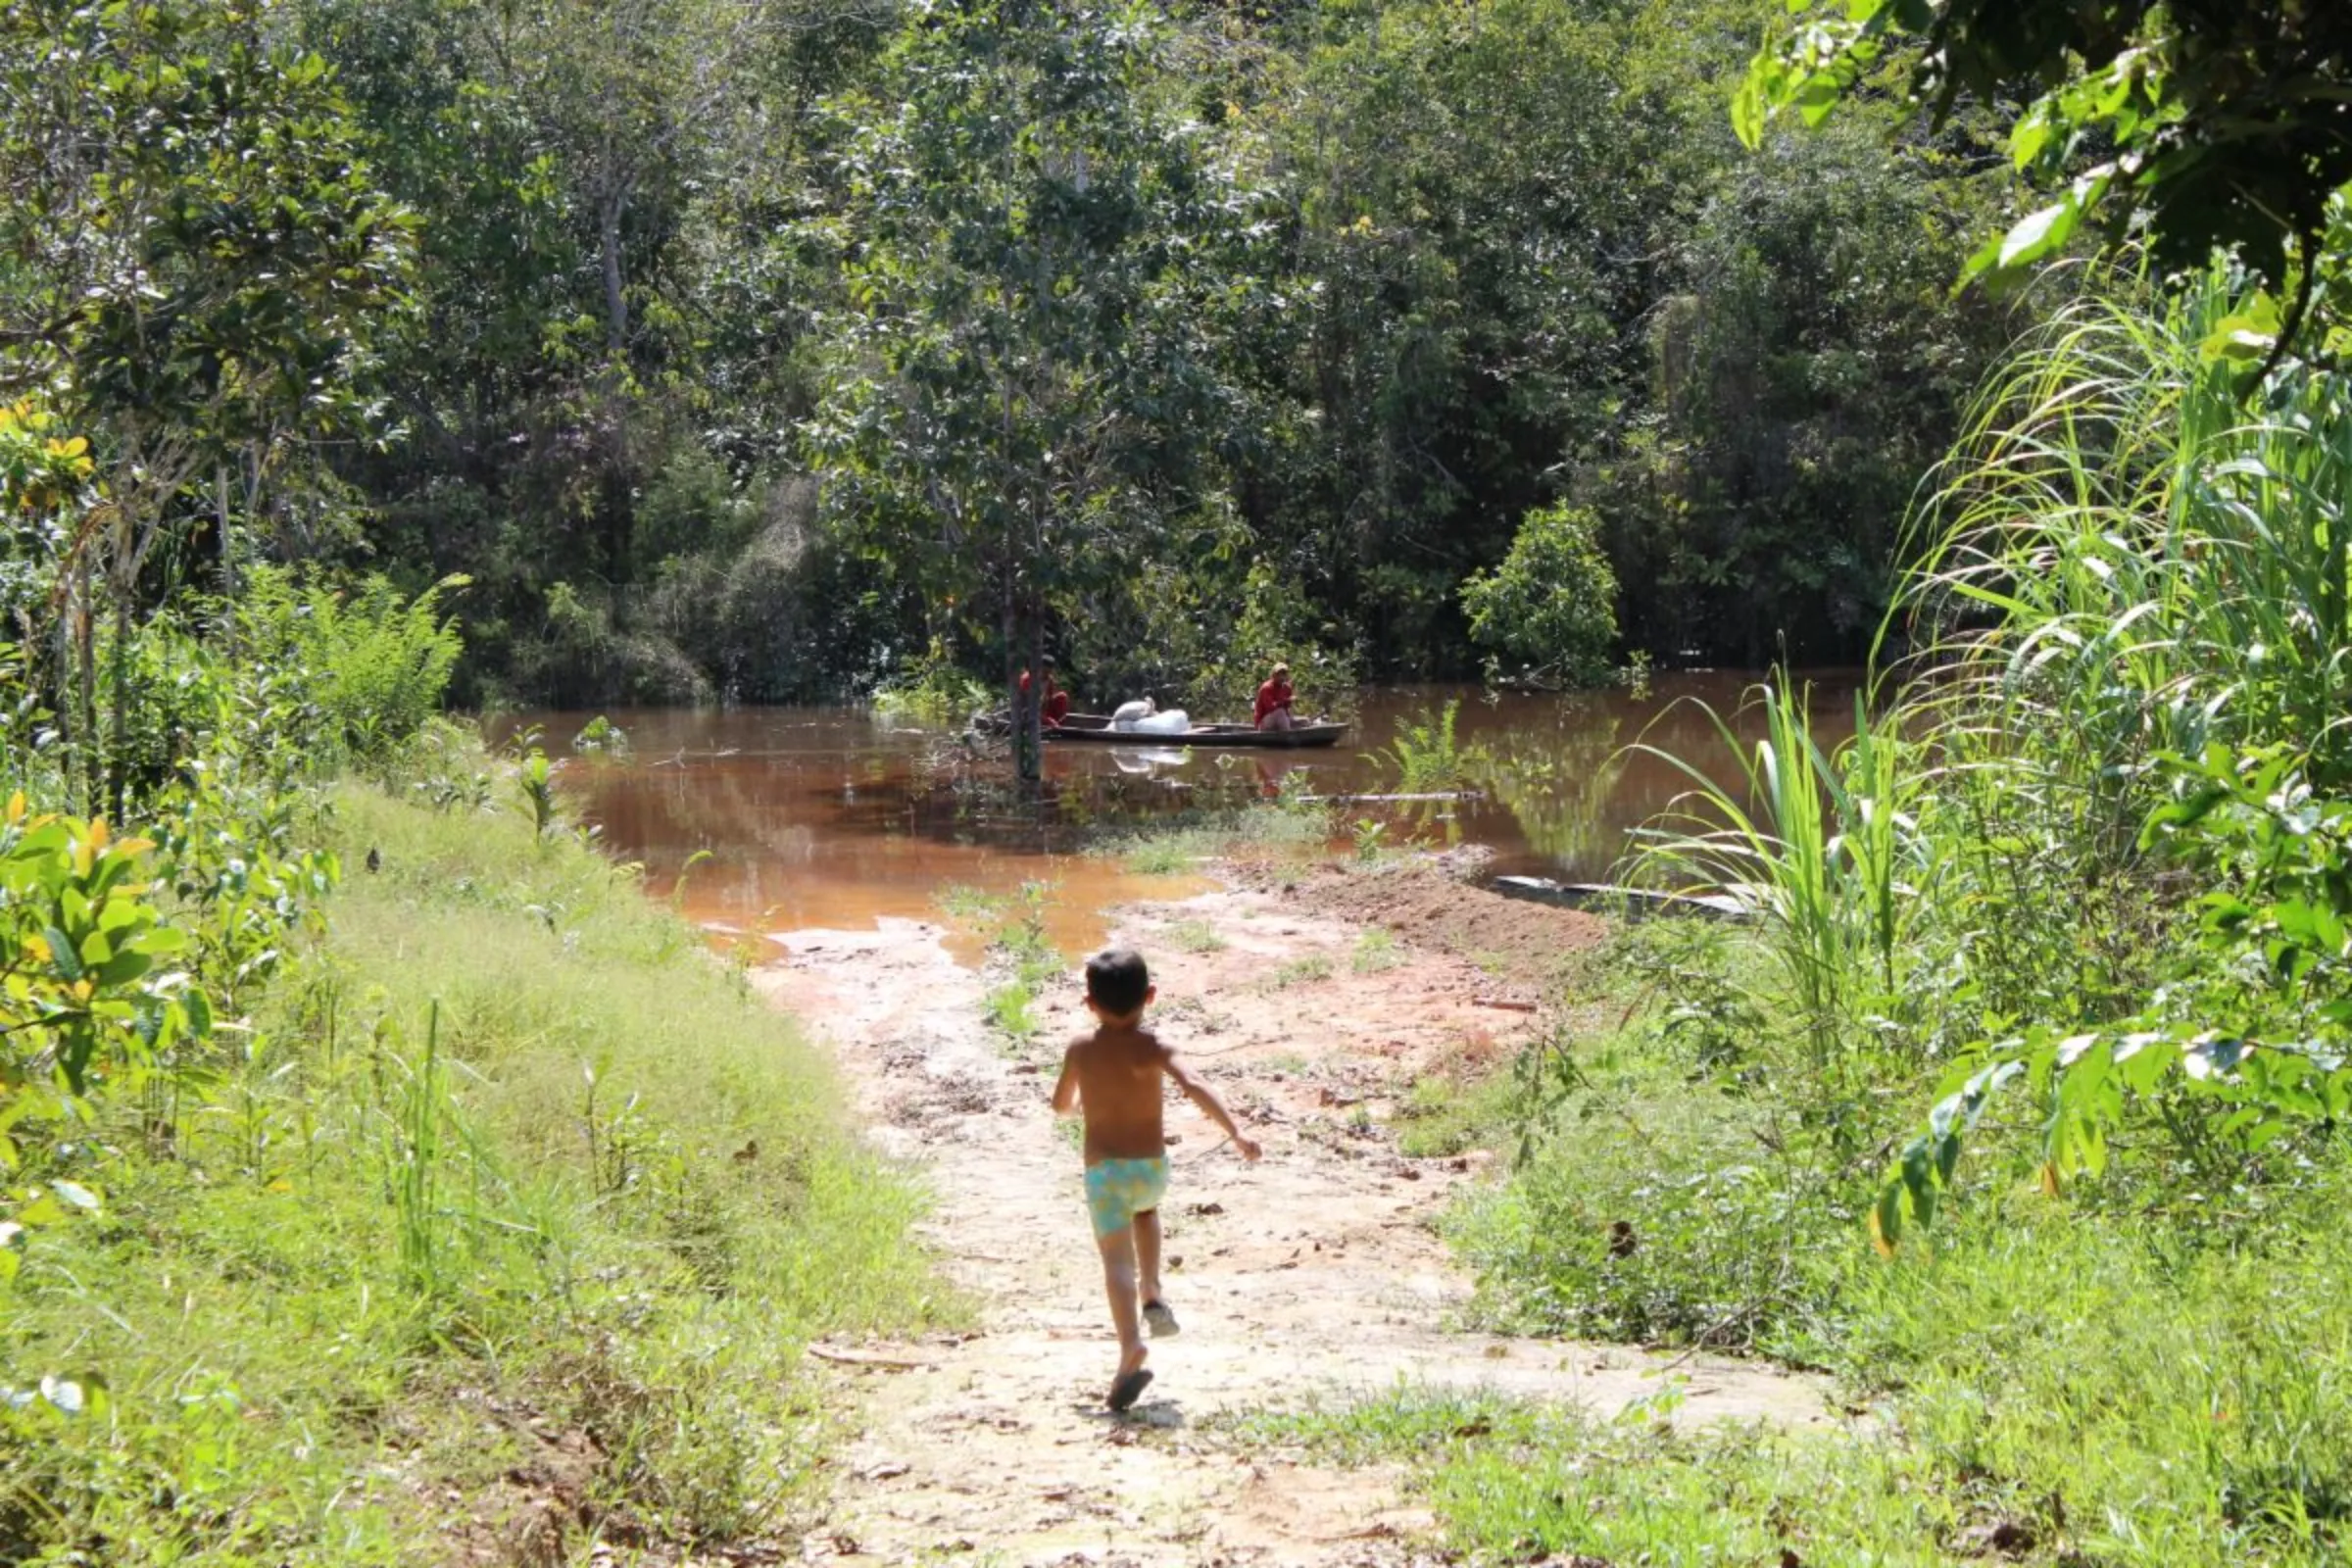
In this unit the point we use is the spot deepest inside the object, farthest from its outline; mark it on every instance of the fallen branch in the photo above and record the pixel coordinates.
(887, 1363)
(1504, 1003)
(1390, 800)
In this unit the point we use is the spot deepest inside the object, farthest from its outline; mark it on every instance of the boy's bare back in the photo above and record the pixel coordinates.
(1113, 1078)
(1119, 1073)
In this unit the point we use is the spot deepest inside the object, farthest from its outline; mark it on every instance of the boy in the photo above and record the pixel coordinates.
(1114, 1076)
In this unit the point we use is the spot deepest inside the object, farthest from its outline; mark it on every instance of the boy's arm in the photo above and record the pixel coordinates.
(1065, 1088)
(1197, 1091)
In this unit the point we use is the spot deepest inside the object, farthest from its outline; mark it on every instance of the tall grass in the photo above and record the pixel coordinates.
(1822, 846)
(333, 1303)
(2121, 560)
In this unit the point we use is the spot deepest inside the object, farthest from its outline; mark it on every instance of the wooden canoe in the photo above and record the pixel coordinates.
(1637, 902)
(1095, 727)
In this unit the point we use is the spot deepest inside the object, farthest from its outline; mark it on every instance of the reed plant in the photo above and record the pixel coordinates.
(1820, 844)
(2121, 561)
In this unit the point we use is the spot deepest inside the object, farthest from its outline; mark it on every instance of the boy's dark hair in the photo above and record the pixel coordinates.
(1116, 980)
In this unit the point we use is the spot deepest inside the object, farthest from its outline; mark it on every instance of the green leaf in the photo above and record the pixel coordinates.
(2038, 234)
(1887, 1218)
(2029, 135)
(67, 962)
(1747, 108)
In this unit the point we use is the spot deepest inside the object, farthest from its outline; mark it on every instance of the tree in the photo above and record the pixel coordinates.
(2197, 125)
(1036, 247)
(199, 258)
(1553, 599)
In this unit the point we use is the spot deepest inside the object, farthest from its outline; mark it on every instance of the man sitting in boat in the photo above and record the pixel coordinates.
(1055, 706)
(1274, 700)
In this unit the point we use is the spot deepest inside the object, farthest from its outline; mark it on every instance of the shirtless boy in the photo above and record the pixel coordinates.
(1113, 1077)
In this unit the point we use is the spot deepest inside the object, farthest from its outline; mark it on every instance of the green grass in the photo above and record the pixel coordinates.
(1376, 951)
(1259, 832)
(1300, 971)
(1447, 1113)
(2125, 1376)
(2087, 1393)
(608, 1193)
(1021, 961)
(1195, 935)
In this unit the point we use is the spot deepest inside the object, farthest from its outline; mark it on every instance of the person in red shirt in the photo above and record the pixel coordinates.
(1274, 700)
(1055, 706)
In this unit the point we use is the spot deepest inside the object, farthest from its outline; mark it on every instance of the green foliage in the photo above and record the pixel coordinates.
(1022, 960)
(1826, 852)
(95, 996)
(205, 262)
(1425, 755)
(390, 1191)
(2059, 1398)
(599, 735)
(931, 690)
(2199, 129)
(534, 781)
(1552, 603)
(1195, 936)
(377, 660)
(1023, 382)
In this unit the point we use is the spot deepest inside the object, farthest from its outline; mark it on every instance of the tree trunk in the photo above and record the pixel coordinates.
(118, 755)
(84, 770)
(609, 206)
(228, 560)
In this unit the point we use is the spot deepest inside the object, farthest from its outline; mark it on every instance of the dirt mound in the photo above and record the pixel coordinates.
(1428, 901)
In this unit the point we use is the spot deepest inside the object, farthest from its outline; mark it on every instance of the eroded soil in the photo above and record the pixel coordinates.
(1314, 1273)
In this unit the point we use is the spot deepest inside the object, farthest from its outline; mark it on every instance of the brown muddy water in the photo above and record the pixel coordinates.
(832, 818)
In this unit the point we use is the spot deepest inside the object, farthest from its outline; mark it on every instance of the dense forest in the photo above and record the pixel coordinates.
(762, 350)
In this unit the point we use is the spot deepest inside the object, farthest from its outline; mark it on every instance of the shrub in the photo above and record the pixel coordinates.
(1552, 602)
(377, 660)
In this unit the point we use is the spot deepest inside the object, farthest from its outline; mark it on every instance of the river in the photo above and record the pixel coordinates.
(830, 816)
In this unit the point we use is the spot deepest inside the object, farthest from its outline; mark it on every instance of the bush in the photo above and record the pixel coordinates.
(1552, 602)
(376, 662)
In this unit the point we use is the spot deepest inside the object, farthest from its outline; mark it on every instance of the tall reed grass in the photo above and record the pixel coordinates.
(1820, 844)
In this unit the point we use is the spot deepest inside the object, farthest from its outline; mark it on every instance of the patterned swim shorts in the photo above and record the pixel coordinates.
(1118, 1190)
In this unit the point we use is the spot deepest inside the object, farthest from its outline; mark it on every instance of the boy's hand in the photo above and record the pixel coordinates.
(1248, 1147)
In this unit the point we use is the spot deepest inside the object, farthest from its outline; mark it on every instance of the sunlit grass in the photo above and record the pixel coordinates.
(2043, 1391)
(1195, 935)
(1251, 833)
(642, 1200)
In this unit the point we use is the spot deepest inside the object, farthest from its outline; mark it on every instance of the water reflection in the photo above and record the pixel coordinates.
(827, 818)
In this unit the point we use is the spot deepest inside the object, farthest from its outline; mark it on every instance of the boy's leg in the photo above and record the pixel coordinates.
(1156, 1315)
(1147, 1253)
(1119, 1284)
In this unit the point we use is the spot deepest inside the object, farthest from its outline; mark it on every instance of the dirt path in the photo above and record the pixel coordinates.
(1315, 1272)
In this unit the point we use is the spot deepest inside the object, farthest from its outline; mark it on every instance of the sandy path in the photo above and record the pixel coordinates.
(1315, 1271)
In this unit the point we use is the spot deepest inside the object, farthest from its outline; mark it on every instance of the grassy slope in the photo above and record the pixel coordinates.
(373, 1299)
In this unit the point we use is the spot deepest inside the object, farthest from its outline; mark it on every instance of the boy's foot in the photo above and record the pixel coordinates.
(1129, 1389)
(1134, 1377)
(1161, 1322)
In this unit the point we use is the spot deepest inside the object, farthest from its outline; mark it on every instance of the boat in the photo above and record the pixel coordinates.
(1095, 727)
(1726, 904)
